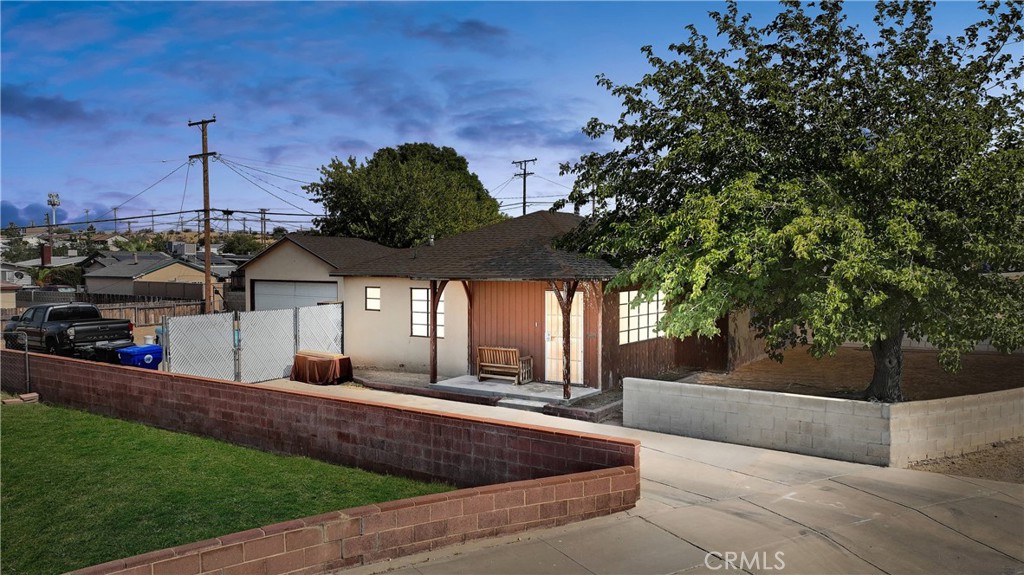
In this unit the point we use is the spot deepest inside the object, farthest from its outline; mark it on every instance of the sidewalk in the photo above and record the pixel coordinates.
(768, 511)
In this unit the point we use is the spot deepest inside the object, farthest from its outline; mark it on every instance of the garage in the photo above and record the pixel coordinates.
(273, 294)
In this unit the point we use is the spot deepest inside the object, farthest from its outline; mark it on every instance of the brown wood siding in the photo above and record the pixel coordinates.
(592, 295)
(656, 356)
(511, 314)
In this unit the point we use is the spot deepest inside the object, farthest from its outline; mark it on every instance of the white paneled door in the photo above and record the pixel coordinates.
(553, 338)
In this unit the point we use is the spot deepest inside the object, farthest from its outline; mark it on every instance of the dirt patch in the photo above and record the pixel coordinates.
(599, 400)
(1003, 461)
(849, 371)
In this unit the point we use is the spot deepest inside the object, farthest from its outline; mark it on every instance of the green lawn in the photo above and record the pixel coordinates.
(78, 489)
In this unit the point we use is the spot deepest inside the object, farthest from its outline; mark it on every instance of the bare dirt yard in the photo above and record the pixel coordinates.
(1004, 461)
(849, 372)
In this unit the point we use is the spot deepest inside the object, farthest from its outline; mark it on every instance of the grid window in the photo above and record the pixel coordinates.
(639, 323)
(372, 299)
(421, 313)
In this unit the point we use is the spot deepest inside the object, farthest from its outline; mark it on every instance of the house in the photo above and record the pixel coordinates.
(129, 276)
(108, 239)
(106, 258)
(296, 270)
(507, 285)
(7, 295)
(15, 274)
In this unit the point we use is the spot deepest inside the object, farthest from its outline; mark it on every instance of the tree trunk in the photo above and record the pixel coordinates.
(885, 382)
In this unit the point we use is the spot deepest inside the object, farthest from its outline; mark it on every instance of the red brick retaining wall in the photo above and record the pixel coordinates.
(378, 532)
(545, 476)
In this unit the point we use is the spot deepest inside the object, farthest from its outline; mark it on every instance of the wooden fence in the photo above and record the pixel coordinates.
(142, 314)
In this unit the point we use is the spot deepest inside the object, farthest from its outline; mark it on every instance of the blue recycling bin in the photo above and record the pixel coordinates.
(147, 356)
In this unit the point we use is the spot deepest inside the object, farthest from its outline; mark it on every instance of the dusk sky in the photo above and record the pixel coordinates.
(96, 97)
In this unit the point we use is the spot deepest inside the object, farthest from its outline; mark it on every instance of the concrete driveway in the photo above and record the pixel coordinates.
(711, 507)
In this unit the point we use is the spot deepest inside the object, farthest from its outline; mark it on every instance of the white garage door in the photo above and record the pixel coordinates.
(286, 295)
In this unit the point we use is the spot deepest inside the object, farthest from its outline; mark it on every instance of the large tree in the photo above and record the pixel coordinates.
(845, 185)
(402, 196)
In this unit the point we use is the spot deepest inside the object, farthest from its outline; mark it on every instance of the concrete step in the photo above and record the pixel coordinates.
(524, 404)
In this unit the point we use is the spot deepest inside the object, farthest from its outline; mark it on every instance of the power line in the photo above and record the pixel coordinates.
(145, 190)
(255, 169)
(553, 182)
(246, 178)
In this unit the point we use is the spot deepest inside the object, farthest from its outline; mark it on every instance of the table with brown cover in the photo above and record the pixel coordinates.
(321, 368)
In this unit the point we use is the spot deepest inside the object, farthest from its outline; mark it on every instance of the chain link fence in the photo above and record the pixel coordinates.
(250, 346)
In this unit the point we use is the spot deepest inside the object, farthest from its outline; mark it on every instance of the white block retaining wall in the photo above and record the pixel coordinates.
(859, 431)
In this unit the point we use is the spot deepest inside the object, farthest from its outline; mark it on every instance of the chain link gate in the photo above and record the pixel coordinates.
(202, 345)
(250, 346)
(267, 344)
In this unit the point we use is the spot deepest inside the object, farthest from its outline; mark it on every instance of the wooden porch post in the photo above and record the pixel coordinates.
(470, 359)
(436, 289)
(565, 303)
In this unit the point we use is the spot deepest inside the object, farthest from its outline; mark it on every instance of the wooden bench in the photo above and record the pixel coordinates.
(504, 363)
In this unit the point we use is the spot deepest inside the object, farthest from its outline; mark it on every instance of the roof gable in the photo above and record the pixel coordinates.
(332, 250)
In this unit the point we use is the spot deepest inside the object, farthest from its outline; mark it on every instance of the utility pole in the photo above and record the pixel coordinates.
(152, 221)
(115, 220)
(208, 289)
(227, 216)
(245, 220)
(522, 166)
(263, 226)
(87, 218)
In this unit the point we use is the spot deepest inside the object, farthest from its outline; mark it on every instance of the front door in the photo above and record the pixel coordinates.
(553, 338)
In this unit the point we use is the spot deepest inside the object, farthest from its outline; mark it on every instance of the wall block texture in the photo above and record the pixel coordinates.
(514, 477)
(863, 432)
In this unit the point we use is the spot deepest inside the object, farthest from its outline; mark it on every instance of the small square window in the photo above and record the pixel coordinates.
(372, 299)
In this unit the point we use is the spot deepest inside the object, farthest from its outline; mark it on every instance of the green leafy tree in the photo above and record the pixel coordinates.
(66, 275)
(402, 196)
(844, 189)
(279, 232)
(40, 276)
(16, 249)
(241, 243)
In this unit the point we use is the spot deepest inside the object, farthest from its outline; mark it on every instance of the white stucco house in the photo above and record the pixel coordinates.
(296, 270)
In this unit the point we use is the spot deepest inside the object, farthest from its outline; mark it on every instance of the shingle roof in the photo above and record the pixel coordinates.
(55, 262)
(133, 269)
(515, 249)
(334, 251)
(112, 257)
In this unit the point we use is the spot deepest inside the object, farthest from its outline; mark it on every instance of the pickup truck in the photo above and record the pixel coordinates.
(68, 329)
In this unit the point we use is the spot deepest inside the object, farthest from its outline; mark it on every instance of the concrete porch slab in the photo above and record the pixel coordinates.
(534, 391)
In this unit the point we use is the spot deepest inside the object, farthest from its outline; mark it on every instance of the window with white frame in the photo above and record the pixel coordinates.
(372, 298)
(421, 313)
(639, 323)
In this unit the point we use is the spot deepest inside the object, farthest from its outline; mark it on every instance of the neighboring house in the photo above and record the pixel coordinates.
(121, 278)
(296, 270)
(106, 258)
(108, 240)
(15, 274)
(7, 297)
(496, 287)
(55, 262)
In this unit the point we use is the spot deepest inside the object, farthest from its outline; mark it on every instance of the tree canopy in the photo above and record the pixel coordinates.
(241, 243)
(845, 185)
(402, 196)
